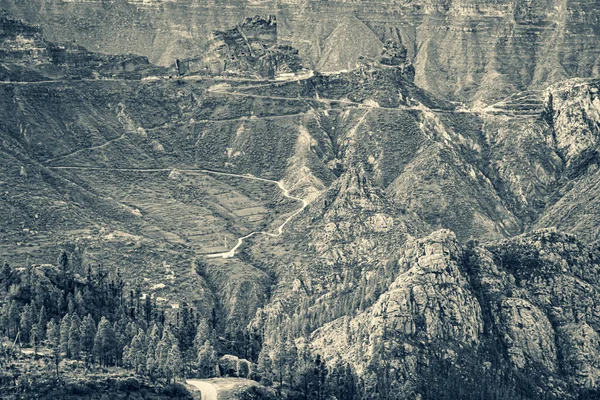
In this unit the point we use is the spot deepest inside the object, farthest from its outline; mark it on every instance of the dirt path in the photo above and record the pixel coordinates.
(240, 241)
(208, 390)
(324, 100)
(100, 146)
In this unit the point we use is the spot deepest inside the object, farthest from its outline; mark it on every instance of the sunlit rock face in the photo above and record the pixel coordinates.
(474, 51)
(533, 298)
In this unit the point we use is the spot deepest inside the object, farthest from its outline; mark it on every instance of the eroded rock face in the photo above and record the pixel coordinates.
(431, 300)
(575, 114)
(581, 345)
(533, 298)
(429, 306)
(250, 49)
(527, 333)
(485, 40)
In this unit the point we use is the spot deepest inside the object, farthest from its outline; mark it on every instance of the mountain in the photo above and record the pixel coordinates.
(473, 51)
(421, 241)
(531, 299)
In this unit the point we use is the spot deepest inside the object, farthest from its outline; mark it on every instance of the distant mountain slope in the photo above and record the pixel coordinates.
(350, 38)
(473, 51)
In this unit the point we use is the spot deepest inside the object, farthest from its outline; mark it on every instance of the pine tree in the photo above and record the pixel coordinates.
(342, 382)
(203, 333)
(105, 343)
(28, 281)
(150, 365)
(12, 320)
(3, 319)
(131, 330)
(154, 335)
(207, 360)
(34, 338)
(148, 311)
(75, 338)
(161, 357)
(127, 357)
(63, 266)
(137, 352)
(162, 352)
(122, 340)
(40, 294)
(71, 309)
(6, 276)
(26, 322)
(53, 341)
(65, 326)
(321, 375)
(80, 307)
(60, 303)
(42, 321)
(306, 376)
(152, 340)
(174, 362)
(52, 334)
(292, 356)
(88, 333)
(265, 367)
(279, 358)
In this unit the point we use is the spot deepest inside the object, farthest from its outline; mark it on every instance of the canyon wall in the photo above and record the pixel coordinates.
(475, 51)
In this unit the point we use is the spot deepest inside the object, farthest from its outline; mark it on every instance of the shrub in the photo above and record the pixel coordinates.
(176, 390)
(128, 384)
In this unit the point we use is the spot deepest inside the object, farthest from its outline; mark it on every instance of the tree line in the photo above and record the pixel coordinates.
(95, 320)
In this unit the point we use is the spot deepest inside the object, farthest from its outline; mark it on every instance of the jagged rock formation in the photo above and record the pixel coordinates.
(26, 56)
(250, 49)
(463, 50)
(533, 298)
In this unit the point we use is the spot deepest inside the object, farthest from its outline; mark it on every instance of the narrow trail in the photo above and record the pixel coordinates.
(240, 241)
(230, 253)
(420, 107)
(100, 146)
(342, 101)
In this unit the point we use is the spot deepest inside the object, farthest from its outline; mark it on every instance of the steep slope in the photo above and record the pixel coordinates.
(350, 38)
(547, 40)
(532, 298)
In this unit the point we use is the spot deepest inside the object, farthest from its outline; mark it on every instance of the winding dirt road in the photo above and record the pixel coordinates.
(240, 240)
(286, 193)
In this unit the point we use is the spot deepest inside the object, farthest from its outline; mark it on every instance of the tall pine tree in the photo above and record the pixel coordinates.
(88, 333)
(75, 338)
(105, 343)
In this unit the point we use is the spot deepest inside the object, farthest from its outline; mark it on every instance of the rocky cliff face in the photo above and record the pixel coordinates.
(533, 298)
(464, 50)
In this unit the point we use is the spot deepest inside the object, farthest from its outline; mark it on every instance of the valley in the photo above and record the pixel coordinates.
(347, 228)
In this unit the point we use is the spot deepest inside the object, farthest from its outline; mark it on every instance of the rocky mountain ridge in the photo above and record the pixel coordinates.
(379, 266)
(549, 40)
(533, 299)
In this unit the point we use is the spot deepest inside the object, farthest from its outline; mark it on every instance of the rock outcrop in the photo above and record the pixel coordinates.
(533, 298)
(250, 49)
